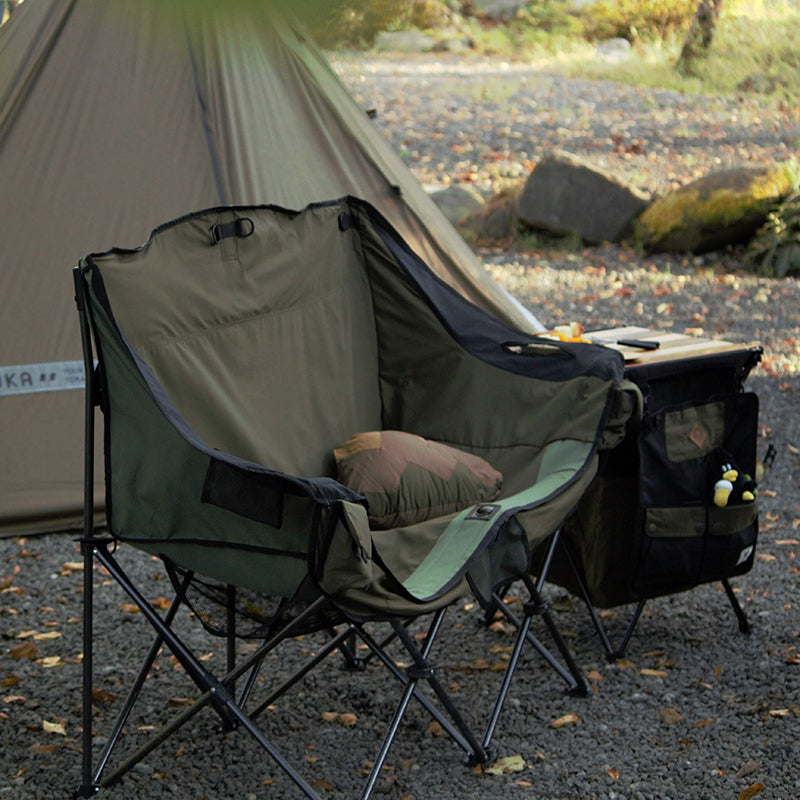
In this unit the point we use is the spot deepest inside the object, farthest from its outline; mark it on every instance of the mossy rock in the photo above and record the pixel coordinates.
(496, 221)
(720, 209)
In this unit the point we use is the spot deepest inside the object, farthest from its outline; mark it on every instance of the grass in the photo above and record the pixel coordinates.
(754, 52)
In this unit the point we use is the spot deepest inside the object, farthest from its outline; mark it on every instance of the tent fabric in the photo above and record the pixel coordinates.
(115, 116)
(228, 386)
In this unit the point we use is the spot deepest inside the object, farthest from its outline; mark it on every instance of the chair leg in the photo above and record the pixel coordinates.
(421, 670)
(612, 653)
(216, 693)
(741, 617)
(567, 668)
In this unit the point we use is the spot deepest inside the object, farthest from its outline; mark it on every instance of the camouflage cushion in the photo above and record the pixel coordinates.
(407, 479)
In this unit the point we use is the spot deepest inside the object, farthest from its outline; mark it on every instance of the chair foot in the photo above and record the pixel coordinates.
(741, 617)
(489, 754)
(578, 690)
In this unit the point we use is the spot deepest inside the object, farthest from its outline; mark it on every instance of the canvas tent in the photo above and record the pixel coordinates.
(116, 116)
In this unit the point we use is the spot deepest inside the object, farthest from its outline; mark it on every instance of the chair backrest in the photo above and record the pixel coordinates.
(240, 346)
(262, 332)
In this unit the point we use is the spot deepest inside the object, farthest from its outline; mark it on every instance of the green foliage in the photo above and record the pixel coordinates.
(553, 17)
(775, 249)
(755, 54)
(356, 23)
(645, 20)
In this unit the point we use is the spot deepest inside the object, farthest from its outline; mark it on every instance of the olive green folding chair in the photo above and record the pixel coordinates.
(315, 435)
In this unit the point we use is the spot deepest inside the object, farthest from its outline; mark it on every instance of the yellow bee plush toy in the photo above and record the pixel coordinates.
(734, 486)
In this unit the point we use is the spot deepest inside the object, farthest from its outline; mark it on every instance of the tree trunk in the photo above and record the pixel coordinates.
(701, 33)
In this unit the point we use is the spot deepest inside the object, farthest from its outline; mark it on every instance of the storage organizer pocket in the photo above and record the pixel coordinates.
(683, 538)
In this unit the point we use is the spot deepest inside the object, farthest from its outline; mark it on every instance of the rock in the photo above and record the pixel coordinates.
(720, 209)
(404, 41)
(564, 194)
(497, 220)
(496, 9)
(614, 50)
(453, 44)
(458, 202)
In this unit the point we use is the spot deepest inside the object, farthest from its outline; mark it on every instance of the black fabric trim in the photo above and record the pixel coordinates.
(484, 335)
(249, 494)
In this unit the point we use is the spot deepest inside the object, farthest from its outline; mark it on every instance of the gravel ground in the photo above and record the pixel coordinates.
(696, 710)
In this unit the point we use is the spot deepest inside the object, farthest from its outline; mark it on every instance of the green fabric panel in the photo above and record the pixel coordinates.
(731, 519)
(162, 514)
(504, 417)
(693, 521)
(360, 585)
(215, 352)
(463, 535)
(694, 431)
(628, 404)
(348, 562)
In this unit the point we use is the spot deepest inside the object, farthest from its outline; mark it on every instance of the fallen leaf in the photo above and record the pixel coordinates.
(654, 673)
(48, 635)
(13, 698)
(53, 727)
(505, 765)
(26, 650)
(751, 791)
(568, 719)
(348, 720)
(180, 701)
(477, 665)
(50, 661)
(435, 729)
(613, 774)
(131, 608)
(37, 747)
(701, 723)
(100, 695)
(749, 768)
(671, 716)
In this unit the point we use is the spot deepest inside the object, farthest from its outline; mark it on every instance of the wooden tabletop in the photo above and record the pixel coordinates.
(671, 346)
